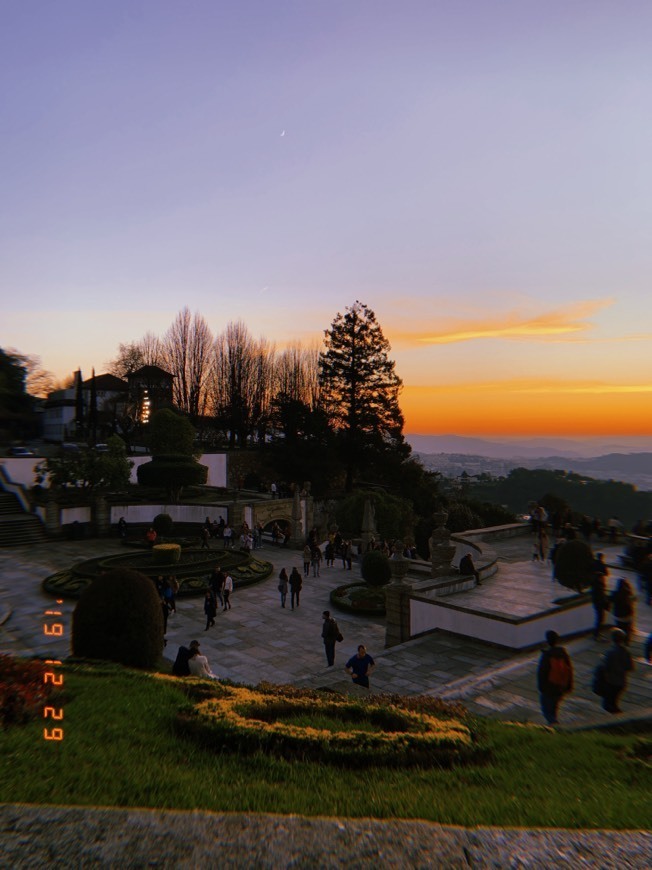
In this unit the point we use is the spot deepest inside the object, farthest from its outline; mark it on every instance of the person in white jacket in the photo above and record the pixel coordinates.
(198, 665)
(228, 589)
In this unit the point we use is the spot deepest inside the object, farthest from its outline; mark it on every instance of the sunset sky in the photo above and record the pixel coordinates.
(478, 172)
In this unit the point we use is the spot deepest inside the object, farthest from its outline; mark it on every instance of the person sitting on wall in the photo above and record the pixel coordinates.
(467, 567)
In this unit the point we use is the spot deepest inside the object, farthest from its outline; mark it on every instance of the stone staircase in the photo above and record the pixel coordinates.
(18, 528)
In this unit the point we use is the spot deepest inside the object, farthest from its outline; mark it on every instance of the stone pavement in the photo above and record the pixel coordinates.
(258, 640)
(122, 838)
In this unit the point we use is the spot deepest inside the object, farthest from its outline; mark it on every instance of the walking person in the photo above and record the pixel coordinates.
(617, 664)
(227, 590)
(330, 634)
(283, 585)
(347, 554)
(170, 589)
(360, 667)
(296, 584)
(554, 677)
(623, 608)
(216, 582)
(599, 597)
(315, 560)
(227, 535)
(307, 556)
(210, 609)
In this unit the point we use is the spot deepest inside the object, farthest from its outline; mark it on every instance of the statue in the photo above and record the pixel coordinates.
(441, 549)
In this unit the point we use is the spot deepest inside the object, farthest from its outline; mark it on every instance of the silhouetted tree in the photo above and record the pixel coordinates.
(359, 390)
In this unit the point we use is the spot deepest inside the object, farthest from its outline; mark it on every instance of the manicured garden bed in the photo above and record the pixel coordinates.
(359, 598)
(191, 570)
(122, 748)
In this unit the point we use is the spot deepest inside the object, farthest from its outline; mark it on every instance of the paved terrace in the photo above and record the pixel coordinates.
(258, 640)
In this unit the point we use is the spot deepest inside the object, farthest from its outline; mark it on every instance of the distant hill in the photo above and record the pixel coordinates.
(533, 448)
(634, 468)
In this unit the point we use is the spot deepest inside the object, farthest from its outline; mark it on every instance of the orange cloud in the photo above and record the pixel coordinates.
(522, 407)
(559, 324)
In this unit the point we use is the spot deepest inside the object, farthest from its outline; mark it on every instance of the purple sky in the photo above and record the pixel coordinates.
(467, 169)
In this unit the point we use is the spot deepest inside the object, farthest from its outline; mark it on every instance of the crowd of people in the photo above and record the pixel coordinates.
(555, 672)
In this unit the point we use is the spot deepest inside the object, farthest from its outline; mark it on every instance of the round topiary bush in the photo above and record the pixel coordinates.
(172, 472)
(163, 525)
(119, 618)
(375, 568)
(574, 565)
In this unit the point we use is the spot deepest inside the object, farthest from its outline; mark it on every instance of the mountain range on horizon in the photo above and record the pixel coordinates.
(530, 448)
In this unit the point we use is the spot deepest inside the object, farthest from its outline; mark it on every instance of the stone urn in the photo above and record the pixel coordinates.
(441, 549)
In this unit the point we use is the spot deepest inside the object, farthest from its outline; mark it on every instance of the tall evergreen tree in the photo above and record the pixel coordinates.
(359, 390)
(92, 411)
(80, 416)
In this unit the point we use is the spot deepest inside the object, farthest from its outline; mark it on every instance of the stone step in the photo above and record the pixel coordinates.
(9, 504)
(19, 530)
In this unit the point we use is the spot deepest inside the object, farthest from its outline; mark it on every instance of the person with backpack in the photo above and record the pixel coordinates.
(554, 677)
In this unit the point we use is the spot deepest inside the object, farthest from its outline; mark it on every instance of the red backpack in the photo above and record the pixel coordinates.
(560, 674)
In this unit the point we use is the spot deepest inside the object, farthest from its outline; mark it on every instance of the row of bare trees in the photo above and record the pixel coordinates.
(238, 381)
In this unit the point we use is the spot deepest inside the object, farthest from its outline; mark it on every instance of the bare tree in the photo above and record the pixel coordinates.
(242, 383)
(133, 355)
(187, 354)
(296, 373)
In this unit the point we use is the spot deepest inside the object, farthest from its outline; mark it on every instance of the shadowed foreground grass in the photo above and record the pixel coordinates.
(120, 749)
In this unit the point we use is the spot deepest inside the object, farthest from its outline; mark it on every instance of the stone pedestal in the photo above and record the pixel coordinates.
(369, 531)
(397, 600)
(297, 535)
(52, 519)
(236, 515)
(101, 517)
(441, 549)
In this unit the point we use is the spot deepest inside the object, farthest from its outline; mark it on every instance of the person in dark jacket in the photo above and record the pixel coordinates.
(599, 597)
(554, 677)
(467, 567)
(330, 633)
(296, 584)
(617, 664)
(623, 608)
(180, 667)
(210, 609)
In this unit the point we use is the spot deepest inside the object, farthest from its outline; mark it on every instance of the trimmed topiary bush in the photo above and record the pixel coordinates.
(173, 472)
(375, 568)
(574, 565)
(163, 525)
(166, 554)
(119, 619)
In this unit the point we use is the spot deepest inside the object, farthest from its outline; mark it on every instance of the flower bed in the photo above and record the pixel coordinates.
(359, 598)
(22, 691)
(192, 570)
(313, 726)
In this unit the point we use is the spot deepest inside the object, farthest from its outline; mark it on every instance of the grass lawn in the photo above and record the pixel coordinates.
(120, 749)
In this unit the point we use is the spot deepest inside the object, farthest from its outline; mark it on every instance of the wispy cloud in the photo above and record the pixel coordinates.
(559, 324)
(526, 386)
